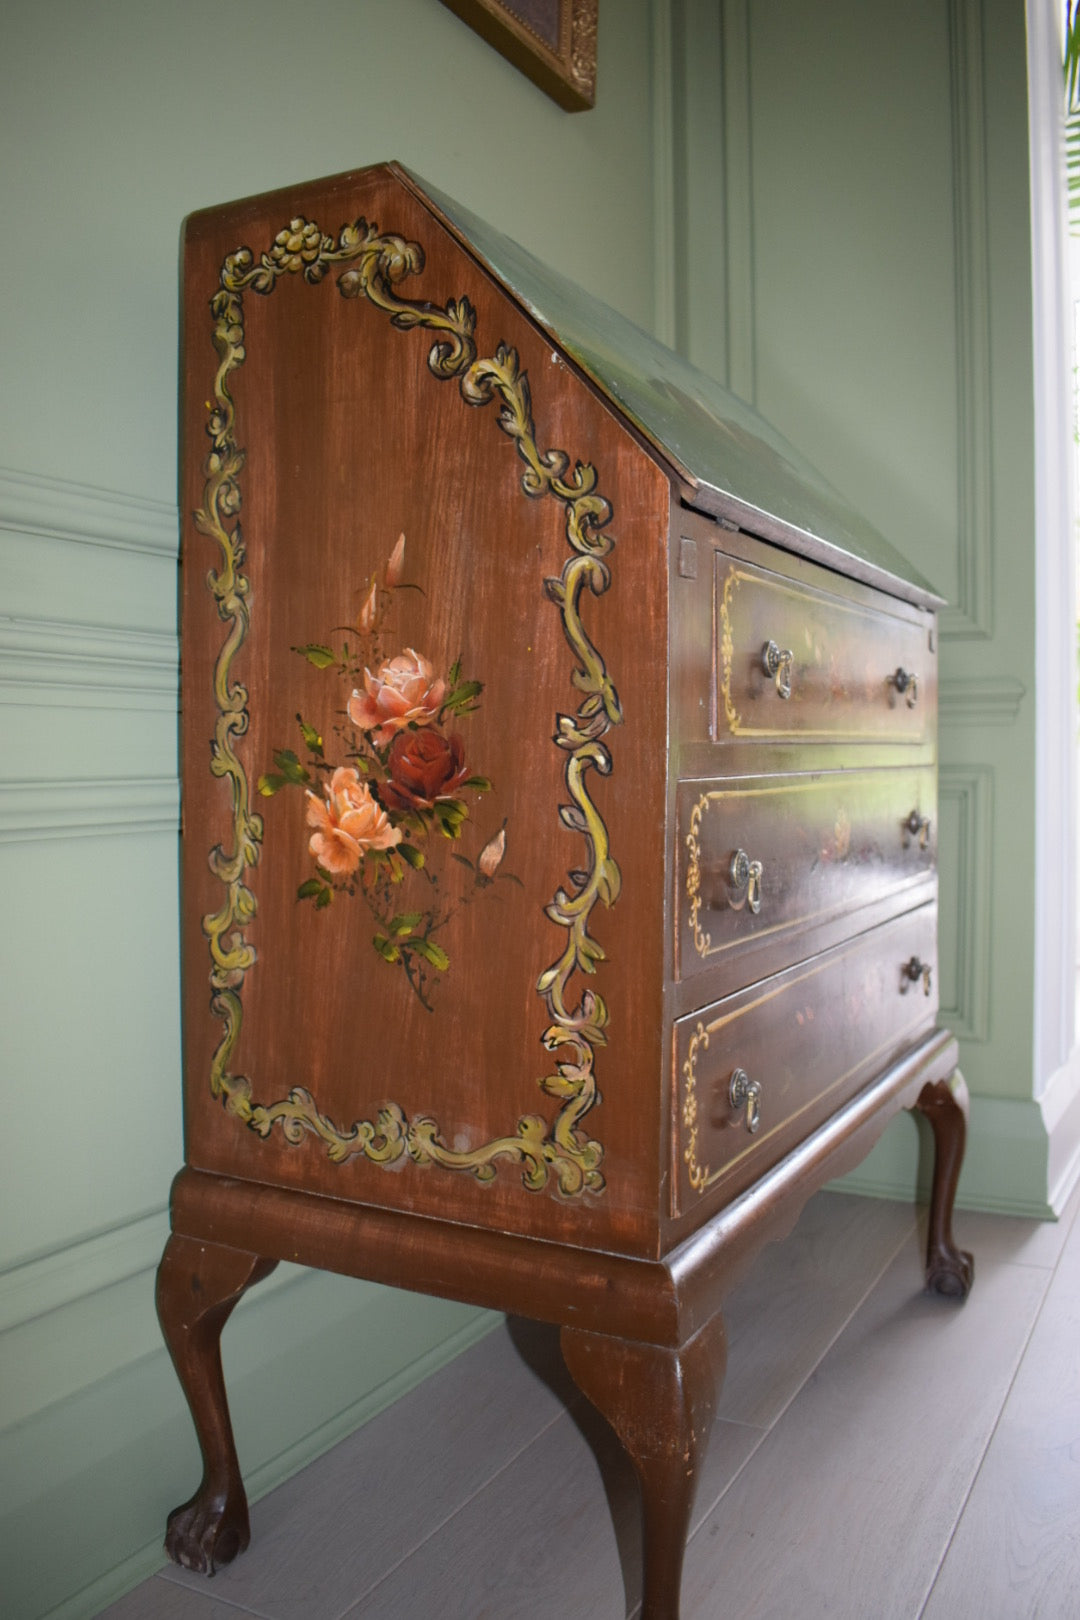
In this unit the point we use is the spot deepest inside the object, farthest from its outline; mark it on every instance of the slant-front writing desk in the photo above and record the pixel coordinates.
(559, 819)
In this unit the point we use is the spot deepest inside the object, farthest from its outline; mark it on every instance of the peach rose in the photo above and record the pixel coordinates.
(348, 821)
(403, 693)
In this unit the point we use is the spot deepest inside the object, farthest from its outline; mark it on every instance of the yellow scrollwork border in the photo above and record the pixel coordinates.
(727, 650)
(378, 263)
(702, 941)
(698, 1174)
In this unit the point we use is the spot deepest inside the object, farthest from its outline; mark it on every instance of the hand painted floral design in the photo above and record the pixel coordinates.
(404, 692)
(374, 817)
(424, 767)
(349, 821)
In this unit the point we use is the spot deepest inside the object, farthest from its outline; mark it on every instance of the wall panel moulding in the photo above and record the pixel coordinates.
(991, 701)
(35, 505)
(966, 796)
(31, 810)
(55, 663)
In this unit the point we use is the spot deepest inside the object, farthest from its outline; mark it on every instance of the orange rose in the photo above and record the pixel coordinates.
(403, 693)
(348, 821)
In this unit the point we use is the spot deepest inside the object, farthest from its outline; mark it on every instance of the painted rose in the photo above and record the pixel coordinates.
(348, 822)
(404, 692)
(423, 766)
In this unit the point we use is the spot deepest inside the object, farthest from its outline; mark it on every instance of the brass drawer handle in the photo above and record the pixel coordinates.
(912, 972)
(776, 662)
(905, 681)
(743, 873)
(744, 1095)
(919, 827)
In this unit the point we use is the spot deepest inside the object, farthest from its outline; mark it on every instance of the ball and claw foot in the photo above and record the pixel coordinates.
(206, 1533)
(950, 1273)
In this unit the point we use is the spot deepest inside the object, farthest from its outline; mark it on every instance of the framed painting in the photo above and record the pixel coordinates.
(552, 41)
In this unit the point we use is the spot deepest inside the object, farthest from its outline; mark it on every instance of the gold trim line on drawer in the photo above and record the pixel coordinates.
(786, 785)
(733, 579)
(701, 1178)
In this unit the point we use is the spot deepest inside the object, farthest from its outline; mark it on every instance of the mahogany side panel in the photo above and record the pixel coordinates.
(479, 1036)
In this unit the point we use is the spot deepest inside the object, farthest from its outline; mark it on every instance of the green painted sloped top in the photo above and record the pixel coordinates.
(735, 464)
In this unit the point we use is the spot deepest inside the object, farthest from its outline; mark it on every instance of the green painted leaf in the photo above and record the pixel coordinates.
(271, 783)
(308, 890)
(321, 657)
(414, 856)
(431, 952)
(386, 950)
(312, 739)
(405, 922)
(463, 694)
(479, 784)
(323, 899)
(451, 814)
(290, 767)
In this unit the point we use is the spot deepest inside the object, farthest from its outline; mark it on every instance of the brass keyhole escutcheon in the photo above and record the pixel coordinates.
(744, 1095)
(743, 873)
(907, 685)
(911, 972)
(776, 661)
(919, 827)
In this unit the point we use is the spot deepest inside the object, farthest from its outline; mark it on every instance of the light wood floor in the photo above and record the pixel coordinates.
(879, 1455)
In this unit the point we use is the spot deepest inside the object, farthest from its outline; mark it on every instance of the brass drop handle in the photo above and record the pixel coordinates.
(919, 827)
(744, 1095)
(912, 972)
(743, 873)
(905, 681)
(776, 662)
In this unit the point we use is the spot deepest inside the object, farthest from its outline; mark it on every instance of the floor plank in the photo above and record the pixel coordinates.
(799, 1295)
(857, 1420)
(571, 1501)
(1016, 1551)
(856, 1489)
(337, 1527)
(558, 1533)
(159, 1599)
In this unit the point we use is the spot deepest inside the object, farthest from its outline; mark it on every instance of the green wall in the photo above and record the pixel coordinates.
(856, 242)
(826, 206)
(117, 118)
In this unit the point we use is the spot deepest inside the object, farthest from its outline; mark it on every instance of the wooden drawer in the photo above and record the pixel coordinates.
(765, 859)
(807, 1039)
(844, 668)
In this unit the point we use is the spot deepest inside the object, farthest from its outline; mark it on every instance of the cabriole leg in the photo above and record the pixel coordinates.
(660, 1402)
(949, 1270)
(197, 1286)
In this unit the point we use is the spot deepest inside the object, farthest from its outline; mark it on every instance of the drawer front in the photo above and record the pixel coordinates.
(793, 662)
(782, 1056)
(767, 858)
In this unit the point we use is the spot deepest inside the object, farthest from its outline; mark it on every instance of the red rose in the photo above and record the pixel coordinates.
(424, 766)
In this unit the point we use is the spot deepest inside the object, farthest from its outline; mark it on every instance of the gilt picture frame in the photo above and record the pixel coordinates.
(553, 42)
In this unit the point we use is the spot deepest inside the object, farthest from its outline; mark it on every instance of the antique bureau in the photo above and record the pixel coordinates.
(559, 820)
